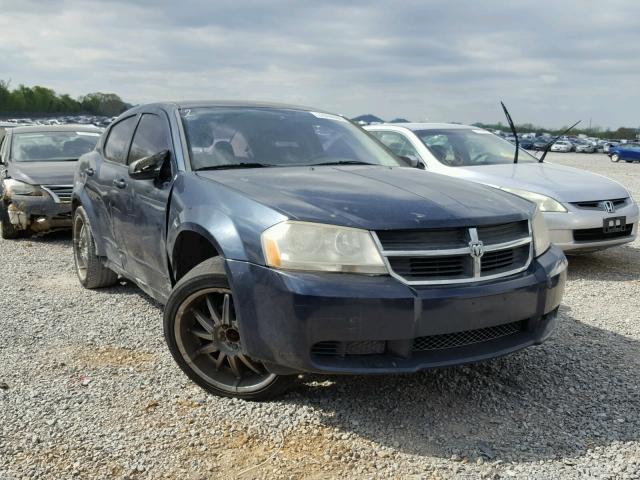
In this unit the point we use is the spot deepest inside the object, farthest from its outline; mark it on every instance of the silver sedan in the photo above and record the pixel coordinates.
(584, 211)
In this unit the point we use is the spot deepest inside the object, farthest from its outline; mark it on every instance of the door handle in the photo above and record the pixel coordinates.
(90, 172)
(120, 183)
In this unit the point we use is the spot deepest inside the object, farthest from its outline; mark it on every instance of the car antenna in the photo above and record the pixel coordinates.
(513, 130)
(548, 147)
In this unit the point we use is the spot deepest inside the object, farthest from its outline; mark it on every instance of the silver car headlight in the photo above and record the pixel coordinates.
(545, 203)
(292, 245)
(16, 187)
(540, 232)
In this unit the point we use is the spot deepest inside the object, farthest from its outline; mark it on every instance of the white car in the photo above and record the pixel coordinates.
(584, 211)
(562, 146)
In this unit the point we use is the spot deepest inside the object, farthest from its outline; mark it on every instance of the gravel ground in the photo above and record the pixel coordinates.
(88, 390)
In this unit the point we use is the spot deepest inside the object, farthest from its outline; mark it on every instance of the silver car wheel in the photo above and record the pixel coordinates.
(208, 339)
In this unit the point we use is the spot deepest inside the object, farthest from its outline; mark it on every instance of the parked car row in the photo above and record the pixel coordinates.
(564, 144)
(95, 120)
(283, 240)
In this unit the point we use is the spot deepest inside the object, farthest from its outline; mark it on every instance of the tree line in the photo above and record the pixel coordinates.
(597, 132)
(38, 100)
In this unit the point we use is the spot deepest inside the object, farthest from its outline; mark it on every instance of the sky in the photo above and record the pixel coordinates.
(552, 61)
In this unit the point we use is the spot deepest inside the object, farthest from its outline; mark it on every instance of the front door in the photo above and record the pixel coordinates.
(142, 223)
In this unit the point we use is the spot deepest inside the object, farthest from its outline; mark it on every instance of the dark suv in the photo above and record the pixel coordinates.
(284, 240)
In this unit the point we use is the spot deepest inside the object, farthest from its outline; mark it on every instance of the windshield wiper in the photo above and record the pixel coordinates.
(341, 162)
(548, 147)
(513, 130)
(234, 165)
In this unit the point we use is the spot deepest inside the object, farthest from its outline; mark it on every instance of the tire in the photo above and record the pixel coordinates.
(204, 337)
(615, 158)
(7, 230)
(89, 268)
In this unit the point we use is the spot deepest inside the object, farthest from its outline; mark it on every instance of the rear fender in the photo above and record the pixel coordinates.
(80, 198)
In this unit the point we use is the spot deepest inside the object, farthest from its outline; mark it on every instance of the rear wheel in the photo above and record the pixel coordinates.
(89, 268)
(7, 230)
(615, 157)
(203, 335)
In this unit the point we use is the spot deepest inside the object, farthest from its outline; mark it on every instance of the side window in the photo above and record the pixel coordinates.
(116, 147)
(151, 137)
(397, 143)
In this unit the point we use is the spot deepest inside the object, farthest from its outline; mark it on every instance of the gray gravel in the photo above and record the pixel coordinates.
(88, 389)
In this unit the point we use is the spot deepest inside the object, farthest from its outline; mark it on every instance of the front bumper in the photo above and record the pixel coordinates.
(562, 225)
(38, 213)
(285, 316)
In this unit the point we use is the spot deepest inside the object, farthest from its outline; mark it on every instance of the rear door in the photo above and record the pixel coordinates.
(105, 185)
(142, 225)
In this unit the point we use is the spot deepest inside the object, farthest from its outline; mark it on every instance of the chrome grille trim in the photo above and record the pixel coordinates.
(477, 262)
(59, 193)
(599, 204)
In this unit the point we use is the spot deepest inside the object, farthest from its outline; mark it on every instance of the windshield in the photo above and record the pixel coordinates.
(245, 137)
(466, 147)
(52, 146)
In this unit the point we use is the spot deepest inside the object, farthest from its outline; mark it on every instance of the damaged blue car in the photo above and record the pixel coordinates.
(284, 240)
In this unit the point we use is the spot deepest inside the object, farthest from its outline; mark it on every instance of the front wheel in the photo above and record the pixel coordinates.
(615, 157)
(203, 335)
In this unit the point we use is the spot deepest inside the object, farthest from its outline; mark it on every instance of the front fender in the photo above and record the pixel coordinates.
(229, 220)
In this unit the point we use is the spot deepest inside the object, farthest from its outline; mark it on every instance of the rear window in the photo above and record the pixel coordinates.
(52, 146)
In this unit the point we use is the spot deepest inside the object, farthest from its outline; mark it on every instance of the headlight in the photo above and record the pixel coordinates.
(15, 187)
(319, 247)
(540, 233)
(546, 204)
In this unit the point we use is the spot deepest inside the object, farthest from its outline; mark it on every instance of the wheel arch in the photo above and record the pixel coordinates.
(192, 246)
(80, 199)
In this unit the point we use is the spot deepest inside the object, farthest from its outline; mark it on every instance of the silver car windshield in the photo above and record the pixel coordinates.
(466, 147)
(52, 146)
(247, 137)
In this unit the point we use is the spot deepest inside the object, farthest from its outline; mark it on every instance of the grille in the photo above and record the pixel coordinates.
(423, 239)
(599, 204)
(63, 192)
(456, 255)
(460, 339)
(503, 233)
(333, 349)
(595, 234)
(493, 262)
(432, 267)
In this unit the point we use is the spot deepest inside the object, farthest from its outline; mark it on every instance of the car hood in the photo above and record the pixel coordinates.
(565, 184)
(375, 198)
(43, 173)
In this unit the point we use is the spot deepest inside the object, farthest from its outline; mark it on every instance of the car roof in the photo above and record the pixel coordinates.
(56, 128)
(428, 126)
(225, 103)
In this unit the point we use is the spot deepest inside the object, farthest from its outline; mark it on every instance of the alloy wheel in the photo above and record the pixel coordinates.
(207, 335)
(81, 246)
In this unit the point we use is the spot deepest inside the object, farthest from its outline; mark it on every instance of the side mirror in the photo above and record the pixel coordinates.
(411, 162)
(148, 168)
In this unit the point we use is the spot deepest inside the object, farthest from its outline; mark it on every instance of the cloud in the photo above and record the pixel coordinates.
(552, 62)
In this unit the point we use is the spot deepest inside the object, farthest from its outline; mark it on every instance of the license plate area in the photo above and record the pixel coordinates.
(614, 224)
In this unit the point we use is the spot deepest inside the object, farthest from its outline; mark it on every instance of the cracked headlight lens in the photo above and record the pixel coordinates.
(292, 245)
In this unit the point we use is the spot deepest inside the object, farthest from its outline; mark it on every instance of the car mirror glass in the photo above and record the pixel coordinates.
(148, 168)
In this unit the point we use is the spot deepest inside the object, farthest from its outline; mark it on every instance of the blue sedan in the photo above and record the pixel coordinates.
(629, 152)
